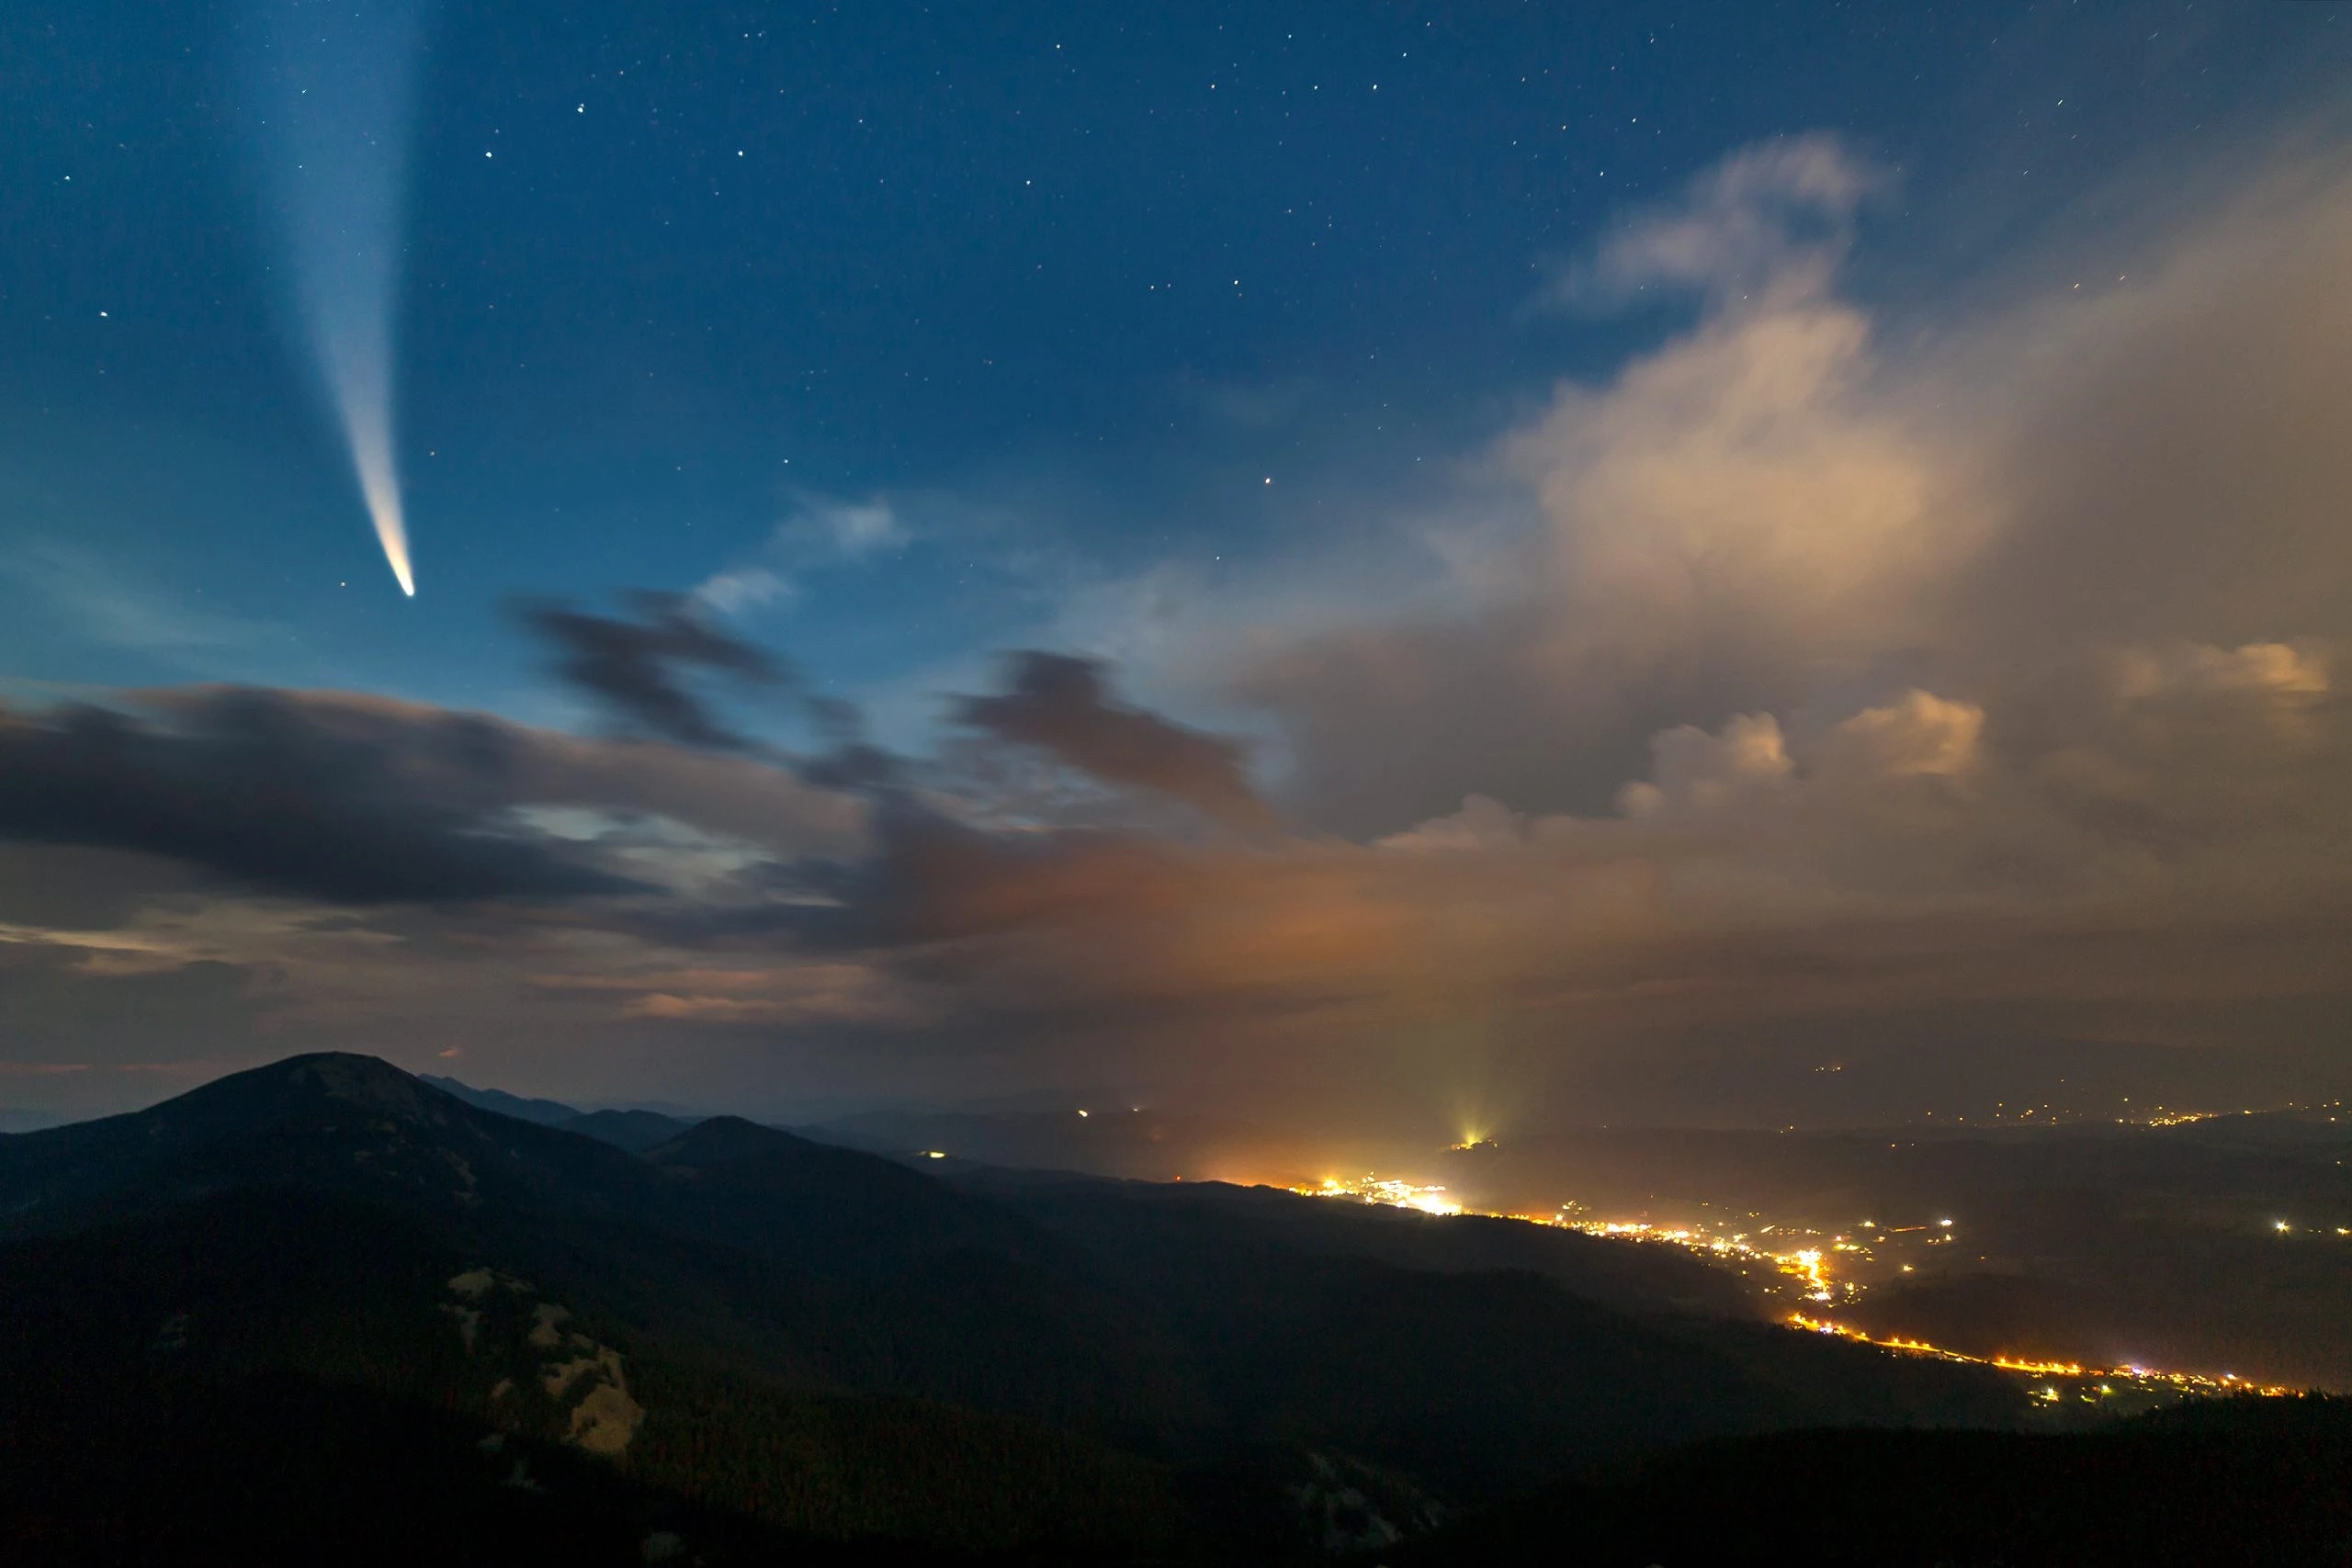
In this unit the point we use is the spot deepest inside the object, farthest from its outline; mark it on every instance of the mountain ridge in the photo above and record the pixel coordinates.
(733, 1285)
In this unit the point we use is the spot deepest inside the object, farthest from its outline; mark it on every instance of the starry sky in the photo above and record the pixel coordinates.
(1348, 561)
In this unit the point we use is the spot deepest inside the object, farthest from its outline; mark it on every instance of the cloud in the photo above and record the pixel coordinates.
(632, 668)
(1918, 735)
(1699, 772)
(819, 533)
(1059, 704)
(1735, 513)
(356, 799)
(243, 785)
(1730, 732)
(2192, 668)
(1772, 220)
(67, 1017)
(113, 608)
(744, 589)
(1812, 668)
(1892, 858)
(854, 529)
(2159, 440)
(766, 995)
(1781, 508)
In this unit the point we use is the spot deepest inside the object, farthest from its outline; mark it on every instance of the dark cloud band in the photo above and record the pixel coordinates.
(1060, 706)
(256, 787)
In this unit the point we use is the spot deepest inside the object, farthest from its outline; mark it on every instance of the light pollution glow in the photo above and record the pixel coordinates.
(1809, 1267)
(339, 81)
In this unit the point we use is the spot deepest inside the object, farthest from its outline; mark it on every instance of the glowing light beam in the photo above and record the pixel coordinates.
(337, 77)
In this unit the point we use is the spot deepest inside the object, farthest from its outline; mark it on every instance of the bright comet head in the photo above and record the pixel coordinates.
(369, 429)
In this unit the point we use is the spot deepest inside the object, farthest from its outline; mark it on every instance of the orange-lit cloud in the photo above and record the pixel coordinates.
(1987, 671)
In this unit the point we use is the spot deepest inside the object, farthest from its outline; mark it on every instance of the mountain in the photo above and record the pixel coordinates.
(635, 1131)
(335, 1229)
(2246, 1480)
(545, 1112)
(772, 1335)
(1147, 1223)
(333, 1123)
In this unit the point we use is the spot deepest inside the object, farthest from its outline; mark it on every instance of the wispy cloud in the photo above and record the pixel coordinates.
(112, 605)
(816, 534)
(1773, 220)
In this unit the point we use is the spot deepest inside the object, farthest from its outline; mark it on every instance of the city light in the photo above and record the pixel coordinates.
(1807, 1267)
(1373, 1188)
(2228, 1383)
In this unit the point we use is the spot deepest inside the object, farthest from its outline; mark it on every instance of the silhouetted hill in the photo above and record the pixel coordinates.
(807, 1339)
(820, 1206)
(635, 1131)
(275, 1376)
(329, 1122)
(2265, 1483)
(1146, 1221)
(545, 1112)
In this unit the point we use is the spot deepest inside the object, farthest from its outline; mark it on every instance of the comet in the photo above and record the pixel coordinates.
(337, 93)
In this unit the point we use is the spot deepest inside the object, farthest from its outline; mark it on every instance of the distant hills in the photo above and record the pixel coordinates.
(545, 1112)
(622, 1330)
(636, 1130)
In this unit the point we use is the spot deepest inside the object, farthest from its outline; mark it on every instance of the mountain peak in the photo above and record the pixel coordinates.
(366, 1082)
(354, 1114)
(719, 1139)
(297, 1085)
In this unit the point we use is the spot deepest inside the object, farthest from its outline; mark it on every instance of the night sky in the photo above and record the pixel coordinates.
(1398, 563)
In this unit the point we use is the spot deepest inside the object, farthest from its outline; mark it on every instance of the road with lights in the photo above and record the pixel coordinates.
(1814, 1267)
